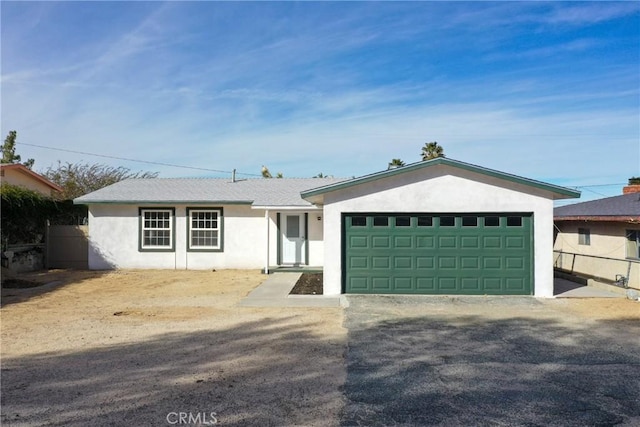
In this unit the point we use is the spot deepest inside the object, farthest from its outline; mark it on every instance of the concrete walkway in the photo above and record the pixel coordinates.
(568, 289)
(274, 292)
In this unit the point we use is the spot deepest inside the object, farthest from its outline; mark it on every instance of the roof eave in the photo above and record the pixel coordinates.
(631, 219)
(79, 201)
(558, 191)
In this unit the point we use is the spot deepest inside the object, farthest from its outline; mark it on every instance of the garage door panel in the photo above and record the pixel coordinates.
(469, 242)
(425, 262)
(426, 284)
(381, 283)
(403, 262)
(447, 283)
(359, 262)
(447, 262)
(418, 254)
(380, 262)
(470, 283)
(381, 242)
(514, 263)
(469, 263)
(492, 283)
(492, 242)
(359, 241)
(357, 284)
(514, 283)
(447, 242)
(402, 242)
(514, 242)
(403, 283)
(492, 262)
(427, 242)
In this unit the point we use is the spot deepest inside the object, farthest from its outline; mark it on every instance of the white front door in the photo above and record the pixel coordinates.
(293, 239)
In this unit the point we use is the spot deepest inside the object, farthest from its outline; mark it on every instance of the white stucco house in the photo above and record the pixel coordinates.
(434, 227)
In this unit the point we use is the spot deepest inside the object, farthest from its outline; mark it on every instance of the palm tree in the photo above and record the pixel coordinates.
(395, 163)
(432, 150)
(265, 172)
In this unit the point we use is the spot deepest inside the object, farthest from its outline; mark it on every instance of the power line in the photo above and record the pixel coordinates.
(600, 185)
(135, 160)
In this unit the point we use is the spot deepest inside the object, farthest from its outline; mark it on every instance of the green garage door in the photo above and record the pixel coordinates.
(438, 254)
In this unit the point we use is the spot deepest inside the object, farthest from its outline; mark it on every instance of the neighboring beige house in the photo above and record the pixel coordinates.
(20, 175)
(600, 239)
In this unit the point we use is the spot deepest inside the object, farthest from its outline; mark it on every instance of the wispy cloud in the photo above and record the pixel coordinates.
(337, 88)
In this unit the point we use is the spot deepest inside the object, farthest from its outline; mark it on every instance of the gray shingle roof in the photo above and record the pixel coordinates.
(624, 205)
(258, 192)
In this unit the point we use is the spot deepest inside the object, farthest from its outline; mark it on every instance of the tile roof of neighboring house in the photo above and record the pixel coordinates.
(28, 172)
(616, 208)
(257, 192)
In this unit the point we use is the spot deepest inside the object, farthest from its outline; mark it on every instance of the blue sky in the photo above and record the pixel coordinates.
(549, 91)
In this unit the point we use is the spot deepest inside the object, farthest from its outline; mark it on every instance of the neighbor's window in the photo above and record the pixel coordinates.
(204, 229)
(633, 243)
(156, 229)
(584, 236)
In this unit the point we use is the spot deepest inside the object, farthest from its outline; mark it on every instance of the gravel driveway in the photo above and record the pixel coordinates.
(491, 361)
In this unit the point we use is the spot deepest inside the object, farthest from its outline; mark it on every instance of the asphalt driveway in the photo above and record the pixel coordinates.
(488, 361)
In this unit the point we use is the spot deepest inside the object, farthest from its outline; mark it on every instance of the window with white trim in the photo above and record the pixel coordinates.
(204, 229)
(156, 229)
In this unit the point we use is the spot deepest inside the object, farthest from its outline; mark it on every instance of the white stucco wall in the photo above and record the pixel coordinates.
(440, 189)
(114, 233)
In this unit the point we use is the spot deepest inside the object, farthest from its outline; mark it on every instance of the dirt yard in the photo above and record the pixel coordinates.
(148, 347)
(142, 347)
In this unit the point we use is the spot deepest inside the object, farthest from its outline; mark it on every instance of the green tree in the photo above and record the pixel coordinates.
(432, 150)
(9, 151)
(77, 179)
(395, 163)
(23, 215)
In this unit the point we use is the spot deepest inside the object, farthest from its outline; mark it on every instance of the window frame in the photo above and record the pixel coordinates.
(220, 229)
(141, 229)
(635, 242)
(584, 236)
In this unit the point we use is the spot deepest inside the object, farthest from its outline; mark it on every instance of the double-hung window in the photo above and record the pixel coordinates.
(157, 229)
(205, 229)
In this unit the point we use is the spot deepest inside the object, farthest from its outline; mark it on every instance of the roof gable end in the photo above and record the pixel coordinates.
(558, 191)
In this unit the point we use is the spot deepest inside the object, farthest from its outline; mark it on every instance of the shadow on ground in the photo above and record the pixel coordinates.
(22, 287)
(259, 373)
(447, 370)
